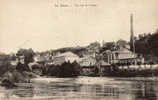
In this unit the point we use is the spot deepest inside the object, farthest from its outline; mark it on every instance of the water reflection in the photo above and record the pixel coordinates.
(84, 88)
(145, 91)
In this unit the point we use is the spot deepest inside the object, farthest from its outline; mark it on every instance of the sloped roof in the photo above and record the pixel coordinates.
(125, 53)
(123, 50)
(67, 54)
(61, 58)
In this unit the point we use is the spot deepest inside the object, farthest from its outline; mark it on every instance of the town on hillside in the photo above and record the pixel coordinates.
(137, 57)
(94, 59)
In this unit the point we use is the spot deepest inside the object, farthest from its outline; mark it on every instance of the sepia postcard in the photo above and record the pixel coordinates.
(78, 50)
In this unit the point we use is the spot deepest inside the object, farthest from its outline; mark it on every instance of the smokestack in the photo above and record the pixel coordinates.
(132, 46)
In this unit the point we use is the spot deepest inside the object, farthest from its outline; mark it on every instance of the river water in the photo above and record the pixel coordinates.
(84, 88)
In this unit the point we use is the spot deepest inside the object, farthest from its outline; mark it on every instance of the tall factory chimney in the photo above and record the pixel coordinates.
(132, 45)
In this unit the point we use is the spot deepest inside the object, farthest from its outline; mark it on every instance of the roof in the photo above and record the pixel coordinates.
(124, 53)
(65, 57)
(67, 54)
(122, 50)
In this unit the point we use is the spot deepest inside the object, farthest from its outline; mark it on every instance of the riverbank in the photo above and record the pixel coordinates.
(11, 78)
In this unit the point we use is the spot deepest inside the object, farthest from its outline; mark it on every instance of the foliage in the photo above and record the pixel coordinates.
(108, 46)
(4, 63)
(147, 44)
(27, 53)
(67, 69)
(153, 43)
(142, 47)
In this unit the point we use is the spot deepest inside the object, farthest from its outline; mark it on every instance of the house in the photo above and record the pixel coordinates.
(43, 58)
(87, 61)
(92, 48)
(40, 59)
(64, 57)
(87, 64)
(123, 55)
(55, 53)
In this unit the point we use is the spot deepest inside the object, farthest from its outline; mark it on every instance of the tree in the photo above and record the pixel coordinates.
(76, 68)
(147, 44)
(108, 46)
(4, 63)
(27, 53)
(153, 43)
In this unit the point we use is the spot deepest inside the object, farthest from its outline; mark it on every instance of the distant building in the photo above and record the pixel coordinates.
(122, 55)
(38, 58)
(65, 57)
(55, 53)
(87, 64)
(93, 48)
(90, 65)
(87, 61)
(42, 58)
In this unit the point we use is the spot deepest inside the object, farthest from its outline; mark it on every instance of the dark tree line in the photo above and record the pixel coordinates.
(4, 63)
(66, 69)
(147, 44)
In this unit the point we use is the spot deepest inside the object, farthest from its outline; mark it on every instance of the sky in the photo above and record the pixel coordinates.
(51, 24)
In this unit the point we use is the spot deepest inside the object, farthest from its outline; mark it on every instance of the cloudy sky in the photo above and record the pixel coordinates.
(45, 24)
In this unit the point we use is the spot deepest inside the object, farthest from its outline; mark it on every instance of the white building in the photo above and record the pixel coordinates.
(123, 54)
(65, 57)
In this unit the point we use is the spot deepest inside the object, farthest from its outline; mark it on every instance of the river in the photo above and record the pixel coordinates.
(84, 88)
